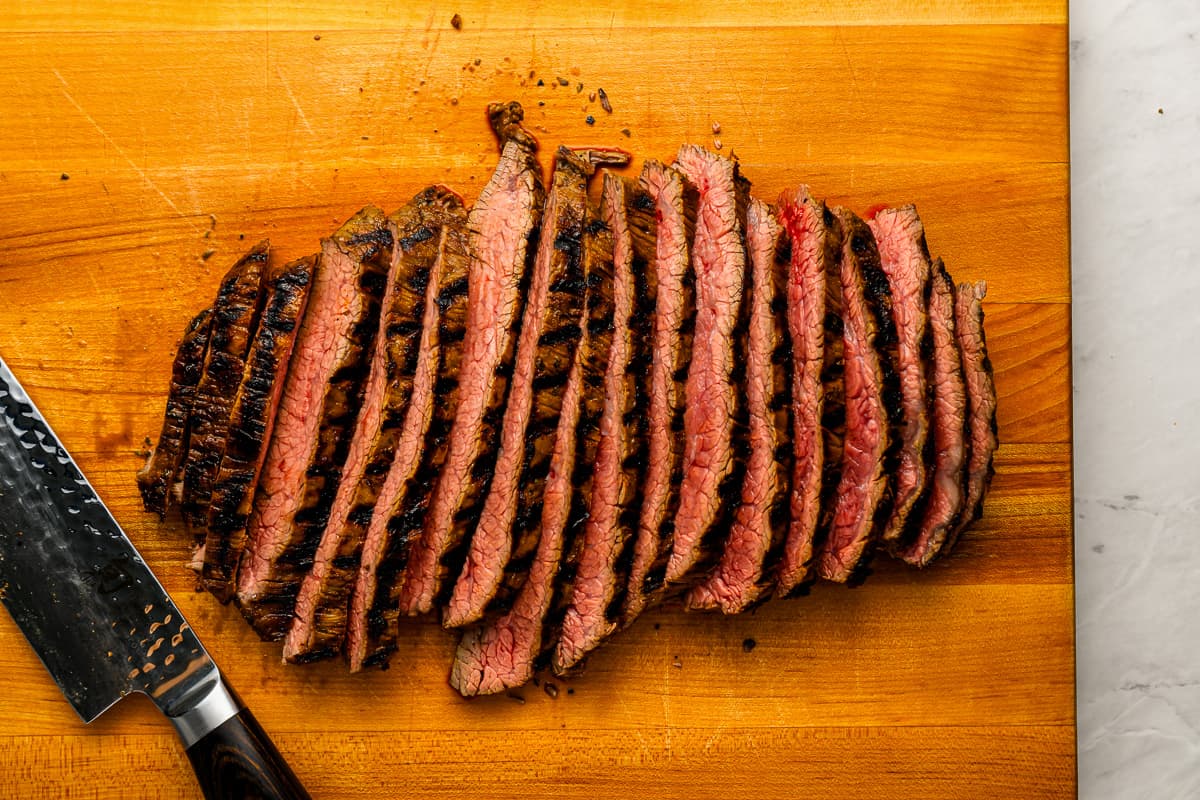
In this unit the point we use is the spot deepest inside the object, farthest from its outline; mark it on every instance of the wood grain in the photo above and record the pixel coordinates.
(147, 144)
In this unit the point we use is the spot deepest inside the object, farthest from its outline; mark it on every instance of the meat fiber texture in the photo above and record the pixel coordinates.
(555, 415)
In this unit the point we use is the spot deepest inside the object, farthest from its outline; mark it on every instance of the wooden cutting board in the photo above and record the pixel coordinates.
(144, 145)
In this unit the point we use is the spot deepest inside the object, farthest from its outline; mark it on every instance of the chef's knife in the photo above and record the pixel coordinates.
(100, 621)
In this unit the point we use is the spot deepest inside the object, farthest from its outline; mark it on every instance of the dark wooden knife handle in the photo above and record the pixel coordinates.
(238, 761)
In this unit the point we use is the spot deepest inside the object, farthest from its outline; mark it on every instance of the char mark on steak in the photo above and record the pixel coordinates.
(945, 502)
(715, 414)
(504, 653)
(814, 319)
(157, 479)
(505, 540)
(760, 525)
(597, 590)
(863, 501)
(319, 626)
(235, 314)
(503, 231)
(981, 402)
(251, 422)
(674, 317)
(320, 404)
(393, 510)
(904, 258)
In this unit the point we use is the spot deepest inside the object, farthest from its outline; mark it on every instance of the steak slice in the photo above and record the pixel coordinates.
(398, 505)
(235, 313)
(714, 457)
(157, 478)
(319, 624)
(981, 402)
(945, 502)
(674, 318)
(251, 422)
(740, 578)
(863, 501)
(597, 589)
(814, 314)
(504, 653)
(321, 399)
(503, 224)
(904, 257)
(503, 544)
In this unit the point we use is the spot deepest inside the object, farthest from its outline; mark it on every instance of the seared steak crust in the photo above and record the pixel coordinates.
(320, 406)
(235, 313)
(157, 478)
(251, 422)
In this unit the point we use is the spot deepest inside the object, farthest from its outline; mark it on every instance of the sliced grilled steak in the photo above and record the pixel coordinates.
(235, 313)
(597, 591)
(714, 456)
(814, 313)
(319, 625)
(503, 654)
(503, 224)
(503, 544)
(319, 407)
(740, 578)
(397, 508)
(981, 402)
(904, 258)
(157, 478)
(863, 501)
(944, 505)
(674, 318)
(251, 422)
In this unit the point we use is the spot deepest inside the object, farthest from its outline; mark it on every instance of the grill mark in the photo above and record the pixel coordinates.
(235, 315)
(251, 421)
(162, 468)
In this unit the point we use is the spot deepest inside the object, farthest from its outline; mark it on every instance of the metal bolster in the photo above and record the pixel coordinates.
(214, 706)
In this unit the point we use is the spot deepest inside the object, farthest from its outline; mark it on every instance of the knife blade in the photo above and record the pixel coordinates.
(99, 619)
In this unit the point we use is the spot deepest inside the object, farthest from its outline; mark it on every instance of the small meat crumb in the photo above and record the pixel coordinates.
(478, 61)
(570, 690)
(625, 132)
(592, 96)
(541, 82)
(748, 645)
(607, 106)
(317, 37)
(516, 698)
(207, 254)
(716, 128)
(590, 120)
(551, 690)
(578, 88)
(563, 81)
(453, 101)
(66, 177)
(717, 143)
(456, 22)
(677, 663)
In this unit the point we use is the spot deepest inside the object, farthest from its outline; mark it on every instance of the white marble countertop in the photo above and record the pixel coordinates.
(1135, 185)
